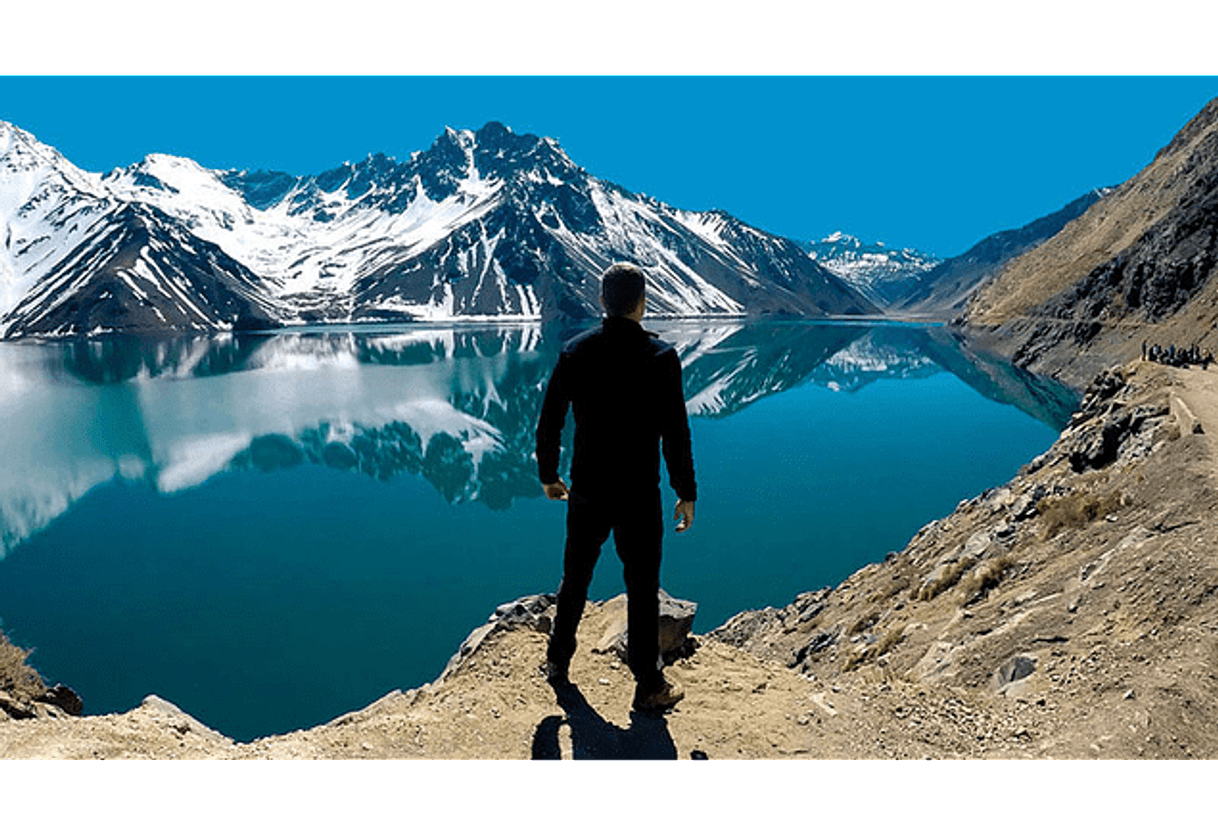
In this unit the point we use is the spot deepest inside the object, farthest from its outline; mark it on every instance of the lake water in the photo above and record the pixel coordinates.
(271, 530)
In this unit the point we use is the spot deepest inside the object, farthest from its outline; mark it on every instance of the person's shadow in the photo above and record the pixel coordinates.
(592, 737)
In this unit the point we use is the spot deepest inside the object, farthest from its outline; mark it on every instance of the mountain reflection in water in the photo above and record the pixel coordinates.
(454, 405)
(271, 530)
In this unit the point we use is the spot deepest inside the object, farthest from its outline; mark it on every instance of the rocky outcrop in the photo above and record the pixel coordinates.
(534, 612)
(1098, 547)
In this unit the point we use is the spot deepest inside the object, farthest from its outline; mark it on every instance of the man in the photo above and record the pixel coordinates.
(624, 387)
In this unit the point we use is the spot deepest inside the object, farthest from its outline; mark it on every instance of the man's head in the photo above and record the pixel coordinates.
(623, 286)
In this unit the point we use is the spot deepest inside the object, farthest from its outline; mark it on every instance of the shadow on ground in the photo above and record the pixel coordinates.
(592, 737)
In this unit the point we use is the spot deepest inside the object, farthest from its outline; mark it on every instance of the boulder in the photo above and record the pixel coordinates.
(172, 716)
(1009, 678)
(14, 708)
(533, 612)
(676, 621)
(64, 698)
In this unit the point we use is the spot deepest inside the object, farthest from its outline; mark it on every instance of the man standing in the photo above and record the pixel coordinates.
(624, 386)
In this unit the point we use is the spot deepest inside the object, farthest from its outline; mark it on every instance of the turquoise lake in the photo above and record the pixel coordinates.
(270, 530)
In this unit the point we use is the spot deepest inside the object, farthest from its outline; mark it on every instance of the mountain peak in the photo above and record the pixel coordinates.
(843, 239)
(492, 131)
(461, 137)
(1196, 126)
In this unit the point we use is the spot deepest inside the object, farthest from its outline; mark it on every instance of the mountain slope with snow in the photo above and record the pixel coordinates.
(485, 225)
(881, 273)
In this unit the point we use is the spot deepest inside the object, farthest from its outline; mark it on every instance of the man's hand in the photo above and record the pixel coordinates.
(685, 512)
(556, 491)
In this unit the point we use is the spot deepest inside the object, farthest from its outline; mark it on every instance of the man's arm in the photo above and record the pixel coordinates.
(549, 430)
(676, 444)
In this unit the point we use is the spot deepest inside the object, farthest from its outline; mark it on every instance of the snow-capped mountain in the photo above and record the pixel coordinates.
(77, 258)
(880, 273)
(482, 225)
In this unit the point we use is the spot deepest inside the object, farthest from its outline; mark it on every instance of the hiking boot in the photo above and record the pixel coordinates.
(658, 696)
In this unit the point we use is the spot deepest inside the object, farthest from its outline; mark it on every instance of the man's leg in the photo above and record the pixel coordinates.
(587, 530)
(638, 534)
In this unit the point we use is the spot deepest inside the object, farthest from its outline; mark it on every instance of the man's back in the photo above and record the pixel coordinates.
(624, 387)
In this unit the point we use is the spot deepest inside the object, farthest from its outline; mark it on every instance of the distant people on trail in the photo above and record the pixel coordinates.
(1177, 357)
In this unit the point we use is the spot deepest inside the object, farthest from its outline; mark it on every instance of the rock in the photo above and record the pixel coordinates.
(743, 627)
(676, 621)
(13, 708)
(64, 698)
(533, 612)
(1100, 442)
(178, 720)
(42, 710)
(1024, 507)
(1005, 530)
(1009, 674)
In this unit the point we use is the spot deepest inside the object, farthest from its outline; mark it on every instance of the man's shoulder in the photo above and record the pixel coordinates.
(658, 346)
(599, 338)
(582, 340)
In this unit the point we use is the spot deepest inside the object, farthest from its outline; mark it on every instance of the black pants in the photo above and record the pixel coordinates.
(638, 530)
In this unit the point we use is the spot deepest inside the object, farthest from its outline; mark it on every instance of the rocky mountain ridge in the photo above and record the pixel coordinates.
(885, 275)
(945, 287)
(484, 224)
(1135, 267)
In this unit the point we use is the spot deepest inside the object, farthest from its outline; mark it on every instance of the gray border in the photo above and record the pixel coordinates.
(624, 35)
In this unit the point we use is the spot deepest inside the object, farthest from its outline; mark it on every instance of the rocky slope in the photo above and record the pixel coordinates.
(945, 287)
(1070, 613)
(1134, 267)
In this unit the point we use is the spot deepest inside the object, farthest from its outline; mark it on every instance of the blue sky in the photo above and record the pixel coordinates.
(931, 162)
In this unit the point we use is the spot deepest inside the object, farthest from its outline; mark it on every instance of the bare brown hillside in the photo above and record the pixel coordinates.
(1135, 266)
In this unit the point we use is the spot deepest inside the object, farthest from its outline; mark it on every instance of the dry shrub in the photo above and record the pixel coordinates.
(948, 577)
(987, 576)
(1075, 511)
(890, 640)
(864, 622)
(880, 647)
(890, 589)
(16, 677)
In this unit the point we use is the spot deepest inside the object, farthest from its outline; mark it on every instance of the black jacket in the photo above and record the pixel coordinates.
(624, 386)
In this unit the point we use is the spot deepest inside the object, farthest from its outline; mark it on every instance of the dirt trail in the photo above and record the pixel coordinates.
(1198, 389)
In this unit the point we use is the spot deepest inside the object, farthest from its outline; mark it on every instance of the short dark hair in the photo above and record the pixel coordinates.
(622, 286)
